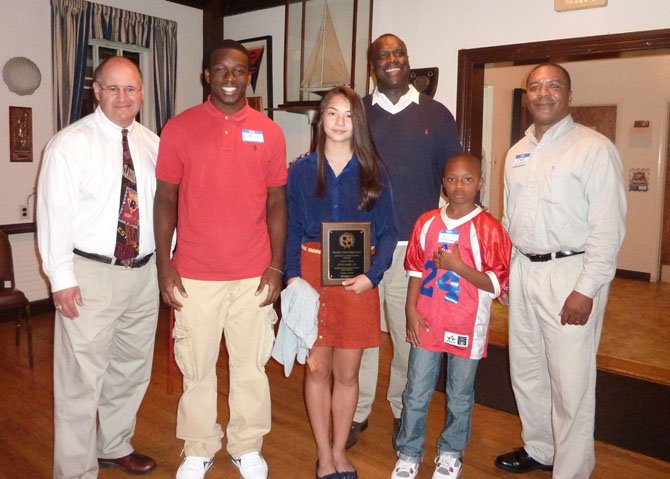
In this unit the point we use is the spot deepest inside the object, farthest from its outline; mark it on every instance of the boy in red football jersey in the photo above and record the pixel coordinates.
(458, 261)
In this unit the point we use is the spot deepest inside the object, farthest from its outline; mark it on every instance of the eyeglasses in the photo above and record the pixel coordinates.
(114, 90)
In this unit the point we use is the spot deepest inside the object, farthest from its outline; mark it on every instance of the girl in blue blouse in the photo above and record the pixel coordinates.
(343, 180)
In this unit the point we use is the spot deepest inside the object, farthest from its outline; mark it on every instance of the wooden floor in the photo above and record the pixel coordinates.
(636, 330)
(26, 428)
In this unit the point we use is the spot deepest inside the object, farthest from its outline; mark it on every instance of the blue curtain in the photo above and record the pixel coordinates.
(75, 21)
(164, 49)
(69, 39)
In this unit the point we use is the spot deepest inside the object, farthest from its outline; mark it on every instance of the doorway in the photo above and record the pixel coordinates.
(470, 110)
(665, 235)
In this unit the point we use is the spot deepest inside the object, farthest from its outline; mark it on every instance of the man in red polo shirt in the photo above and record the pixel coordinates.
(222, 185)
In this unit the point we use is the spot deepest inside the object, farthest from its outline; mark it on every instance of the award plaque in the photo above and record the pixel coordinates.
(345, 251)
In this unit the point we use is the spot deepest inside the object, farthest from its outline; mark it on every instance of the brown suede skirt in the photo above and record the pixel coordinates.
(346, 319)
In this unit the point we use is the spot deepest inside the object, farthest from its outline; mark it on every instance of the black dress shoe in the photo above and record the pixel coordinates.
(519, 461)
(347, 474)
(133, 463)
(397, 422)
(356, 429)
(332, 475)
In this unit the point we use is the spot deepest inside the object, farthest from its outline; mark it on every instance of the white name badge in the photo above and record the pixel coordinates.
(252, 136)
(447, 237)
(458, 340)
(520, 160)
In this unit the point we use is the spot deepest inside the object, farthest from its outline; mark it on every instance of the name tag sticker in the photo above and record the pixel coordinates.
(447, 237)
(252, 136)
(458, 340)
(520, 160)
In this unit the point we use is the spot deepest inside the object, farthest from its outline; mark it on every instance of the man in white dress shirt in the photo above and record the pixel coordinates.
(565, 210)
(106, 308)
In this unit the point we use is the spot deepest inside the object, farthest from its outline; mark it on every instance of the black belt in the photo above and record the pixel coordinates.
(132, 263)
(540, 258)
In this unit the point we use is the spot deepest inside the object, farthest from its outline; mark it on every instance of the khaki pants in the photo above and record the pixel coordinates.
(231, 308)
(392, 295)
(102, 365)
(553, 367)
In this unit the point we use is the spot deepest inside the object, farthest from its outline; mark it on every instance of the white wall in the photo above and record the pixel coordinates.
(434, 31)
(271, 22)
(26, 31)
(32, 39)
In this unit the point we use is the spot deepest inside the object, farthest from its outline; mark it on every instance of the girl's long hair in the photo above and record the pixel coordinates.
(361, 143)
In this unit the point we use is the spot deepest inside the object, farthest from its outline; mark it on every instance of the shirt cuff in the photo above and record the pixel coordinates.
(63, 280)
(496, 284)
(587, 286)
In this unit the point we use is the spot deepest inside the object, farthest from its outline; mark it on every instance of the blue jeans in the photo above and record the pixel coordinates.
(424, 368)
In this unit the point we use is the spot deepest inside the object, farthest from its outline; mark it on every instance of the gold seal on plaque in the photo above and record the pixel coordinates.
(345, 251)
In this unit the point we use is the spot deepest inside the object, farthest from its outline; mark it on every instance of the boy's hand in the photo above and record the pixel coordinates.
(414, 325)
(504, 299)
(447, 259)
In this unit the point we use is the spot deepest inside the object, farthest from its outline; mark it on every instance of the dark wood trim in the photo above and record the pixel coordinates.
(636, 275)
(631, 421)
(233, 7)
(471, 64)
(285, 63)
(41, 306)
(354, 28)
(19, 228)
(212, 34)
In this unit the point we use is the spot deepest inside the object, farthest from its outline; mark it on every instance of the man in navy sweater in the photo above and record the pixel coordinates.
(414, 135)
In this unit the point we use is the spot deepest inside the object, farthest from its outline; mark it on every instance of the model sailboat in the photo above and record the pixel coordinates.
(326, 68)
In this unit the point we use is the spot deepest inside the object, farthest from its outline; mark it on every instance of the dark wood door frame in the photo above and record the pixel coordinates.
(471, 64)
(212, 34)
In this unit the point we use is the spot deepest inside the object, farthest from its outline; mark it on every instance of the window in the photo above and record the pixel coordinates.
(99, 50)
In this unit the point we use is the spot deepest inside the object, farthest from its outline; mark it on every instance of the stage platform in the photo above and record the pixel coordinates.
(633, 390)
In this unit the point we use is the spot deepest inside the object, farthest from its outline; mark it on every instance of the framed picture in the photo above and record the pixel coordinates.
(259, 92)
(601, 118)
(20, 134)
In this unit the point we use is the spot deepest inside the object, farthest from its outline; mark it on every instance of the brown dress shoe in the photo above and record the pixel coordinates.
(356, 429)
(133, 463)
(518, 461)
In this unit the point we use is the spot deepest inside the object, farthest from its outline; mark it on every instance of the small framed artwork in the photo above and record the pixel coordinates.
(425, 79)
(638, 179)
(259, 92)
(601, 118)
(20, 134)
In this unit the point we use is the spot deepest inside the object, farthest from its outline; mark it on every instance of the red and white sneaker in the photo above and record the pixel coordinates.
(405, 469)
(447, 467)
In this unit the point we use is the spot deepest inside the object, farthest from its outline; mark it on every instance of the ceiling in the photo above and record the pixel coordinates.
(232, 7)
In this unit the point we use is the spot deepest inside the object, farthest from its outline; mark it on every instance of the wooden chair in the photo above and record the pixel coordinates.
(12, 299)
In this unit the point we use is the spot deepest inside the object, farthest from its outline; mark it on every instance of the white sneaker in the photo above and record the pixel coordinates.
(447, 467)
(251, 466)
(194, 467)
(405, 469)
